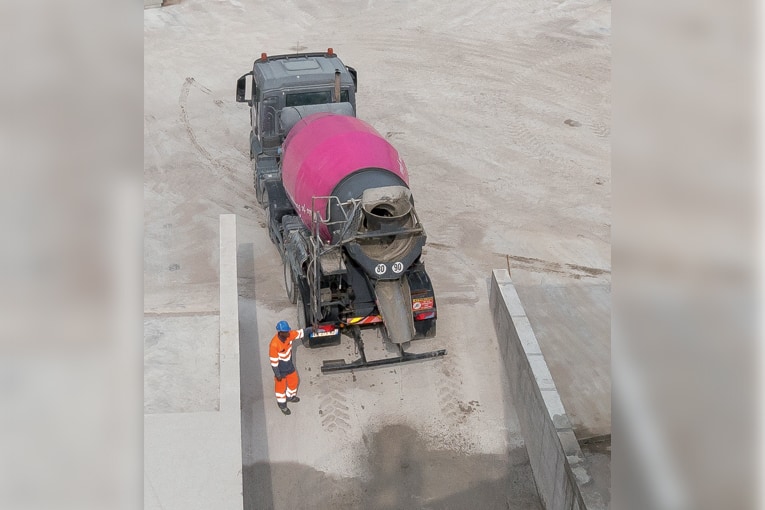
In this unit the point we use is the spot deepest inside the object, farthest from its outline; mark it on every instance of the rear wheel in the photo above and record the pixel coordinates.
(301, 316)
(301, 319)
(258, 194)
(267, 205)
(289, 282)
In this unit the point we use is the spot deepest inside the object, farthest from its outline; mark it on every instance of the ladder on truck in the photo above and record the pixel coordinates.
(326, 258)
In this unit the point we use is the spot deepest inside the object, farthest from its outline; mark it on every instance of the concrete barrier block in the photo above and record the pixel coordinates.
(537, 418)
(550, 454)
(526, 335)
(507, 337)
(556, 459)
(569, 497)
(555, 408)
(542, 374)
(509, 295)
(559, 489)
(570, 445)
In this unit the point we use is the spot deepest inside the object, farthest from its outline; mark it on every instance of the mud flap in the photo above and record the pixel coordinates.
(394, 301)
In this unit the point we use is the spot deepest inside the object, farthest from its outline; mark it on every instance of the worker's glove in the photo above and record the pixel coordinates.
(278, 378)
(278, 374)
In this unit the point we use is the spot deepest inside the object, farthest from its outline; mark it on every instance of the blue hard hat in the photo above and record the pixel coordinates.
(282, 326)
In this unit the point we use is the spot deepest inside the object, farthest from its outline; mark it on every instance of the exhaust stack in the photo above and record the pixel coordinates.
(336, 98)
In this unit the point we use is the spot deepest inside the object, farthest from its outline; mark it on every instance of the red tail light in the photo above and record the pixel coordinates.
(324, 330)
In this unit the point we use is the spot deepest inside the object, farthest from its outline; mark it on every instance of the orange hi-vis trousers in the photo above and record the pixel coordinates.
(286, 388)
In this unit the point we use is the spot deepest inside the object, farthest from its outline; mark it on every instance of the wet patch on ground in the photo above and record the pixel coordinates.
(401, 473)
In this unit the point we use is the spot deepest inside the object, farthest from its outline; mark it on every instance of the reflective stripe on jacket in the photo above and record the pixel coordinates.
(280, 353)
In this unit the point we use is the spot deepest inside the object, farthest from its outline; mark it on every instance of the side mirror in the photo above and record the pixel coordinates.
(241, 89)
(355, 77)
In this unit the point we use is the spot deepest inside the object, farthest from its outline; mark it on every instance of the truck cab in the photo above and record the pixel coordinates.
(301, 83)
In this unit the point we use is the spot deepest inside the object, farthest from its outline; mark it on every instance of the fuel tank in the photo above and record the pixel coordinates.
(327, 154)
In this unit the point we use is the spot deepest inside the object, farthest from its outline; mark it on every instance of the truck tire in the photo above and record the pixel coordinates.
(256, 184)
(267, 206)
(289, 282)
(302, 317)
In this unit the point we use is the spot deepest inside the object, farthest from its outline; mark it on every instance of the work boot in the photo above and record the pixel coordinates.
(295, 399)
(284, 409)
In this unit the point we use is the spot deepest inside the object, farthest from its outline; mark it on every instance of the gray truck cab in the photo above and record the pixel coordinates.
(284, 89)
(285, 81)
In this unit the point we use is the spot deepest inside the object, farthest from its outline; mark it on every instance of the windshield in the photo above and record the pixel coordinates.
(315, 97)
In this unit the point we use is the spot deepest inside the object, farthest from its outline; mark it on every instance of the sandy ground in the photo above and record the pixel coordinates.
(501, 111)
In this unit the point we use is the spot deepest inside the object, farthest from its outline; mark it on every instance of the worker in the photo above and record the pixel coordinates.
(280, 354)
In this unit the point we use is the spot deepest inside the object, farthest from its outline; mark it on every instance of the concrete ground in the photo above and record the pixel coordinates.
(573, 327)
(434, 434)
(597, 455)
(502, 112)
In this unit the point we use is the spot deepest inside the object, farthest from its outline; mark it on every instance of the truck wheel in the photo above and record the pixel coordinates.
(301, 318)
(289, 283)
(267, 206)
(258, 195)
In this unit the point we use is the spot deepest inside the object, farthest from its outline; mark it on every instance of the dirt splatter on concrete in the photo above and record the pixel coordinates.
(403, 473)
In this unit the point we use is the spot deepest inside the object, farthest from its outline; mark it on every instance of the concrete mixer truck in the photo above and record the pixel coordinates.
(338, 207)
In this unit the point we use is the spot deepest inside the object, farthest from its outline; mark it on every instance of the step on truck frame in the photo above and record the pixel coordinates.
(340, 365)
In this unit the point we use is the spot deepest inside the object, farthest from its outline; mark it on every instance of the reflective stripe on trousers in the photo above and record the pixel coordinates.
(286, 388)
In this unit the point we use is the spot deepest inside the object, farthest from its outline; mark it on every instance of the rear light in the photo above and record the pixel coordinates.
(324, 330)
(422, 304)
(424, 315)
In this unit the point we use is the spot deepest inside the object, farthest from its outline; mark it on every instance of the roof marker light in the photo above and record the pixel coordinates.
(330, 51)
(263, 55)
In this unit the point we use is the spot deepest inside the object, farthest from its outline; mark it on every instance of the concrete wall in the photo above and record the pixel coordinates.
(556, 459)
(193, 460)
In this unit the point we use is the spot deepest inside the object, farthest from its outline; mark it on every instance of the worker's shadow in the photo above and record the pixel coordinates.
(256, 470)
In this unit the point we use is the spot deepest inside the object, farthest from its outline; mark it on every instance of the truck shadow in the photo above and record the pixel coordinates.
(256, 476)
(404, 474)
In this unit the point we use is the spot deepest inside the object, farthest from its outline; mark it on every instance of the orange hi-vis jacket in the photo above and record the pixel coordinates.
(280, 353)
